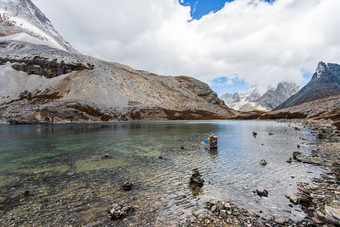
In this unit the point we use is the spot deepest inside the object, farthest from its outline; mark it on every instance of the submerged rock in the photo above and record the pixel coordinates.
(119, 211)
(263, 162)
(296, 154)
(196, 182)
(26, 193)
(262, 193)
(127, 186)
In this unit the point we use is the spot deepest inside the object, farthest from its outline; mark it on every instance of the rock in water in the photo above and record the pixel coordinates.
(127, 186)
(196, 181)
(263, 162)
(296, 154)
(196, 178)
(119, 211)
(261, 193)
(213, 142)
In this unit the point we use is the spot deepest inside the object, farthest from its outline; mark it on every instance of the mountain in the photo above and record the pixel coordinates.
(324, 83)
(252, 100)
(21, 20)
(273, 97)
(325, 108)
(237, 100)
(42, 78)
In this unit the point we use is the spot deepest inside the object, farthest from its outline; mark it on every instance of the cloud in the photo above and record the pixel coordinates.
(262, 43)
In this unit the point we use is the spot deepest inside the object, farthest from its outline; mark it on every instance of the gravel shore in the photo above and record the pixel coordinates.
(320, 200)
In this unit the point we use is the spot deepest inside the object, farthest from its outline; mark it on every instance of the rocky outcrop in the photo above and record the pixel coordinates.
(277, 95)
(44, 67)
(42, 79)
(22, 16)
(324, 83)
(76, 88)
(327, 108)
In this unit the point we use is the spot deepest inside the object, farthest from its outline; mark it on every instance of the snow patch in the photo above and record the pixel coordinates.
(42, 35)
(24, 37)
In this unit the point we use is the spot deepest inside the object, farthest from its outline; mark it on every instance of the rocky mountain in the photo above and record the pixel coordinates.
(21, 20)
(42, 79)
(252, 100)
(273, 97)
(324, 83)
(326, 108)
(241, 98)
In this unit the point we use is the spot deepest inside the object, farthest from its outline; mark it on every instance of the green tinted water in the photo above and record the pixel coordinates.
(71, 182)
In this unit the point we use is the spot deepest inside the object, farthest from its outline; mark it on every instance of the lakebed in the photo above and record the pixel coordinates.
(71, 174)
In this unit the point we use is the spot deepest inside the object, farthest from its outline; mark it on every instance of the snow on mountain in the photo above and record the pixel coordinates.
(324, 83)
(24, 17)
(250, 99)
(241, 98)
(42, 78)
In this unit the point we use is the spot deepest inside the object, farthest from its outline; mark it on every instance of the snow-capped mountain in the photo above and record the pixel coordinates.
(237, 100)
(241, 98)
(250, 99)
(26, 23)
(42, 78)
(324, 83)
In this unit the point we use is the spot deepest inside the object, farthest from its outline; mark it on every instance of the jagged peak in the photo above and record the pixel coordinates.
(322, 67)
(28, 18)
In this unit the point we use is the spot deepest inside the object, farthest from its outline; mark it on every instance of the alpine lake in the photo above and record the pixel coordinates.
(71, 174)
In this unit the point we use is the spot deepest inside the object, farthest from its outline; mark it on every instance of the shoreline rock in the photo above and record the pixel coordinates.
(320, 200)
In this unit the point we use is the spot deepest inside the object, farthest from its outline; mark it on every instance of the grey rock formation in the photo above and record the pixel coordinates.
(324, 83)
(277, 95)
(250, 99)
(22, 16)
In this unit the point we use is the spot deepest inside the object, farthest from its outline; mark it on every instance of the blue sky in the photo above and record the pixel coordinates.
(199, 8)
(222, 85)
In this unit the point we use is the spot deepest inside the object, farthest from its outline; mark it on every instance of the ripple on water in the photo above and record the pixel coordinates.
(71, 182)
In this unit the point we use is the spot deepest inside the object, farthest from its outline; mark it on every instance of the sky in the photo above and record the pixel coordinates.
(227, 44)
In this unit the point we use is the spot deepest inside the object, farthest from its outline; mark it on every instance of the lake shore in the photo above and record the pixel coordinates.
(319, 200)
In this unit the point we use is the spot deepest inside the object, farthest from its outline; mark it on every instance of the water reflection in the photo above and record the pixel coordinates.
(63, 167)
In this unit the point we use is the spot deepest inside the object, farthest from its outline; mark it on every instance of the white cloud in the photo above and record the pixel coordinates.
(262, 43)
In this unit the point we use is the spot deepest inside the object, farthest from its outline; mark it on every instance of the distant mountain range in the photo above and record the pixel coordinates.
(43, 78)
(319, 99)
(251, 99)
(324, 83)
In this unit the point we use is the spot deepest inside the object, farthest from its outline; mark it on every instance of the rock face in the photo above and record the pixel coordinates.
(326, 108)
(324, 83)
(22, 20)
(277, 95)
(41, 79)
(251, 100)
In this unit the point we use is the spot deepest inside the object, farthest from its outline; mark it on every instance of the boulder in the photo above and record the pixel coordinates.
(127, 186)
(263, 162)
(119, 211)
(262, 193)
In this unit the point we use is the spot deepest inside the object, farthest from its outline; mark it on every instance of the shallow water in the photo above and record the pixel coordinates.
(71, 182)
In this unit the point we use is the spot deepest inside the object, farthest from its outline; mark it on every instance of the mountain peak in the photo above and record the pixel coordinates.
(322, 67)
(324, 83)
(22, 16)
